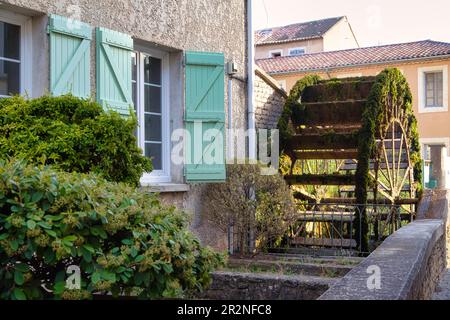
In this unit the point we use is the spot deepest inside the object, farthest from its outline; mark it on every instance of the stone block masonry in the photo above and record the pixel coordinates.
(254, 286)
(269, 100)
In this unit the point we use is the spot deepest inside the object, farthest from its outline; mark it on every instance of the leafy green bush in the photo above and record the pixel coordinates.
(251, 201)
(74, 134)
(123, 240)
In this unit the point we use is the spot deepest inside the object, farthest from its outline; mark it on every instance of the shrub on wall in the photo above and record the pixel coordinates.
(250, 201)
(123, 240)
(76, 135)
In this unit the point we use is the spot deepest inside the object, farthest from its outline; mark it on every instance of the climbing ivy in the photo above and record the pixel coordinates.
(293, 102)
(389, 84)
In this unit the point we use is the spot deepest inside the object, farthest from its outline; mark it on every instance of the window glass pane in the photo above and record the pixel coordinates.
(152, 127)
(9, 78)
(430, 89)
(152, 99)
(439, 89)
(152, 70)
(297, 52)
(153, 150)
(133, 66)
(10, 41)
(429, 78)
(276, 54)
(133, 87)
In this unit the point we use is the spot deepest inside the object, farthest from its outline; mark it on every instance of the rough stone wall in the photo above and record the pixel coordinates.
(170, 25)
(249, 286)
(447, 244)
(430, 274)
(269, 101)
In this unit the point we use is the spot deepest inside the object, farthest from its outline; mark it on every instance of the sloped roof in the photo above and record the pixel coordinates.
(295, 32)
(355, 57)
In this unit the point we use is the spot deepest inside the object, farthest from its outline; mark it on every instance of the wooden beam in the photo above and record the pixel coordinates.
(382, 166)
(328, 113)
(325, 242)
(321, 179)
(338, 91)
(303, 196)
(370, 201)
(324, 142)
(327, 155)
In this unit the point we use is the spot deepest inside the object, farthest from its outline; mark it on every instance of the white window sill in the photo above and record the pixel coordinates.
(433, 109)
(165, 187)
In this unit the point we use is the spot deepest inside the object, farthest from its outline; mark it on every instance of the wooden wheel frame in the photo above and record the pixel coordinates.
(316, 167)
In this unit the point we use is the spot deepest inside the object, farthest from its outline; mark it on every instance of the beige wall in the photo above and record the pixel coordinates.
(433, 127)
(339, 37)
(312, 46)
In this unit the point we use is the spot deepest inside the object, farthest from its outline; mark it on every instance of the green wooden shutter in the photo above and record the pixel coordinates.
(70, 43)
(114, 70)
(205, 110)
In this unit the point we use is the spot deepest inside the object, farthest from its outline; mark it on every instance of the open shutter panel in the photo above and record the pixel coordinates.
(70, 43)
(114, 70)
(205, 117)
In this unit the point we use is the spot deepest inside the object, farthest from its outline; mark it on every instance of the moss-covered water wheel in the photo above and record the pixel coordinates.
(353, 141)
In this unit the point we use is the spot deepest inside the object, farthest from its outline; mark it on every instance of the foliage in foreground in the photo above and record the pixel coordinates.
(74, 134)
(251, 201)
(124, 241)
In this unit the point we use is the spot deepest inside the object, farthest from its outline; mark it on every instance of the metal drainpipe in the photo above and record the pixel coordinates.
(230, 147)
(251, 75)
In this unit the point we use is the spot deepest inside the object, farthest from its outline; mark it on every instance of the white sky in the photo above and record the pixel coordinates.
(374, 22)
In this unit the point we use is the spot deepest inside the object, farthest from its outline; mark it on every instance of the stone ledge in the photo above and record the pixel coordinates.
(166, 187)
(401, 259)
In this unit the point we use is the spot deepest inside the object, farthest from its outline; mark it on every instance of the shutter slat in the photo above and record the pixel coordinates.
(205, 110)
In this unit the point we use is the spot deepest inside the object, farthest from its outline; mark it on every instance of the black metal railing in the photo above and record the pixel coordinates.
(333, 229)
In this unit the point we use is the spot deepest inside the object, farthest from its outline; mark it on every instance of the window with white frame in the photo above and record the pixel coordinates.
(275, 53)
(15, 52)
(433, 89)
(297, 51)
(150, 97)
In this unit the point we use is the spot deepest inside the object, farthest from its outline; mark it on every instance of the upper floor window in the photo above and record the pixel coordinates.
(275, 53)
(433, 89)
(297, 51)
(149, 84)
(14, 52)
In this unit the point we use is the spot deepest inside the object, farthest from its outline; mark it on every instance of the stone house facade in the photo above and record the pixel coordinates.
(166, 58)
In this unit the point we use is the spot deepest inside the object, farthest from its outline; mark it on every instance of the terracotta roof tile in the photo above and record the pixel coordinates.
(352, 57)
(295, 32)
